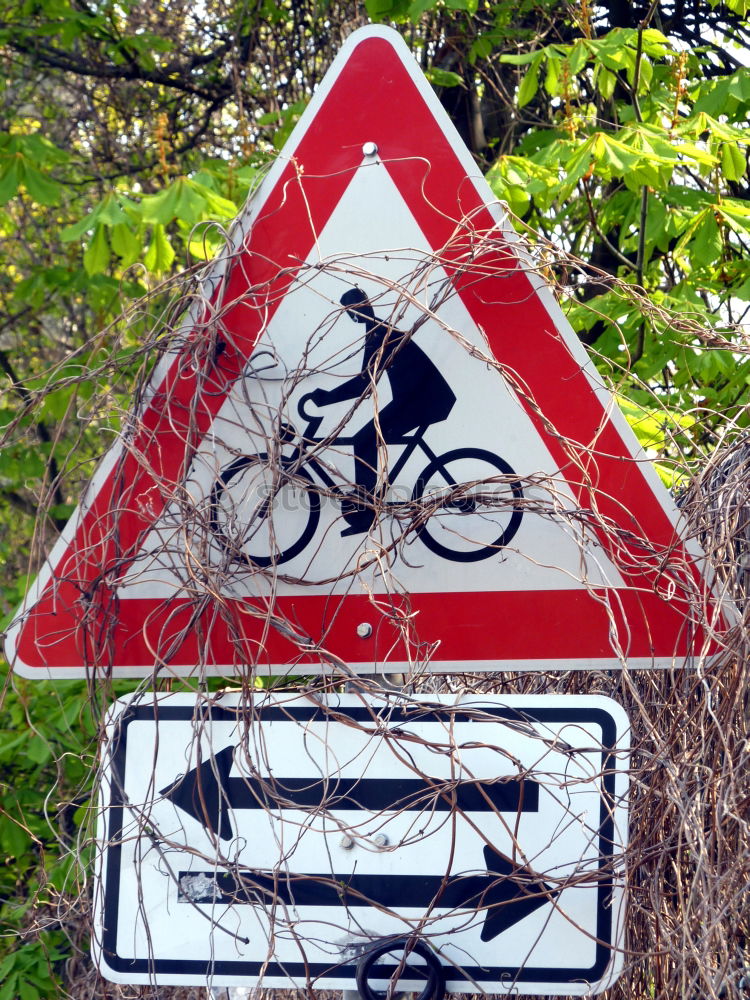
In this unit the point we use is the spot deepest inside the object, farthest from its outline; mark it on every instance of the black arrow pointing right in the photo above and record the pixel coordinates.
(506, 891)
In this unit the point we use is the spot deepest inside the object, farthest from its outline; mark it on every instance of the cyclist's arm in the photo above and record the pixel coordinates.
(353, 388)
(359, 384)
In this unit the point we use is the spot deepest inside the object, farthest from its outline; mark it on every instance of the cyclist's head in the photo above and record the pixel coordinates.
(358, 306)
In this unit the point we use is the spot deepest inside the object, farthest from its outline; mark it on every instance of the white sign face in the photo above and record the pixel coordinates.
(490, 549)
(274, 845)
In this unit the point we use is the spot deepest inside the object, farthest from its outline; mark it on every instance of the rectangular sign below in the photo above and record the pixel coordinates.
(276, 843)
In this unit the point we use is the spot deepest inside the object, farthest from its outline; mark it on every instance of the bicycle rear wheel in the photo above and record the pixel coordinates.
(262, 515)
(472, 499)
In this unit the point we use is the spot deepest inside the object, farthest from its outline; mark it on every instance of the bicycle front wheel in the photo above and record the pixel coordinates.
(471, 500)
(262, 514)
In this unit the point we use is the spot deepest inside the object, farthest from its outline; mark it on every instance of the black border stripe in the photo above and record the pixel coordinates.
(157, 968)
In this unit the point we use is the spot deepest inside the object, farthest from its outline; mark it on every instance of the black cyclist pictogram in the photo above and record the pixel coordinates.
(465, 503)
(420, 397)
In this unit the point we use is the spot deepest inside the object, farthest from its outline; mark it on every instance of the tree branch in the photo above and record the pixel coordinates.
(42, 430)
(56, 59)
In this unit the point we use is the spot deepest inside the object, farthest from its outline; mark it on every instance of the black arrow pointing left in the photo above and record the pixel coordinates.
(507, 892)
(209, 794)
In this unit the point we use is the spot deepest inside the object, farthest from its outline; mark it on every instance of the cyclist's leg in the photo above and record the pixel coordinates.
(358, 506)
(359, 510)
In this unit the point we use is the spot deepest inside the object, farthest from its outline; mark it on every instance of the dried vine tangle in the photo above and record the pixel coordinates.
(687, 858)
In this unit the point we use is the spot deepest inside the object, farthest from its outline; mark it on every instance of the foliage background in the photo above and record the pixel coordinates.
(130, 134)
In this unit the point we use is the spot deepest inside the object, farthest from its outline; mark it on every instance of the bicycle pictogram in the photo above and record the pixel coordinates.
(464, 504)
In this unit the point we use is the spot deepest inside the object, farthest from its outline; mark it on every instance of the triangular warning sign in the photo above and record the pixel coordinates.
(378, 444)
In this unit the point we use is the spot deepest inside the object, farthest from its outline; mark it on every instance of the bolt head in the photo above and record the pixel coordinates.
(364, 630)
(370, 149)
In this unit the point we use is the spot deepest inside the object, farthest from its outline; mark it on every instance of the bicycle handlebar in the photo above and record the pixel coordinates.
(302, 404)
(313, 420)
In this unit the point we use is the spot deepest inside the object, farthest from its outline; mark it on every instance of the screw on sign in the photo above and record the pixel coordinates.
(284, 843)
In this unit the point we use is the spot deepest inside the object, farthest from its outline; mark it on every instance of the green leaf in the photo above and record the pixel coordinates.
(646, 75)
(191, 202)
(9, 742)
(40, 188)
(697, 153)
(444, 78)
(518, 199)
(391, 10)
(125, 244)
(736, 214)
(605, 81)
(96, 257)
(653, 425)
(615, 155)
(110, 211)
(56, 404)
(520, 58)
(14, 839)
(723, 96)
(161, 208)
(706, 245)
(578, 164)
(8, 989)
(62, 510)
(290, 116)
(205, 242)
(530, 83)
(578, 55)
(9, 179)
(160, 253)
(6, 965)
(38, 749)
(518, 179)
(733, 162)
(481, 48)
(695, 125)
(669, 475)
(655, 42)
(552, 78)
(216, 206)
(612, 54)
(80, 228)
(27, 991)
